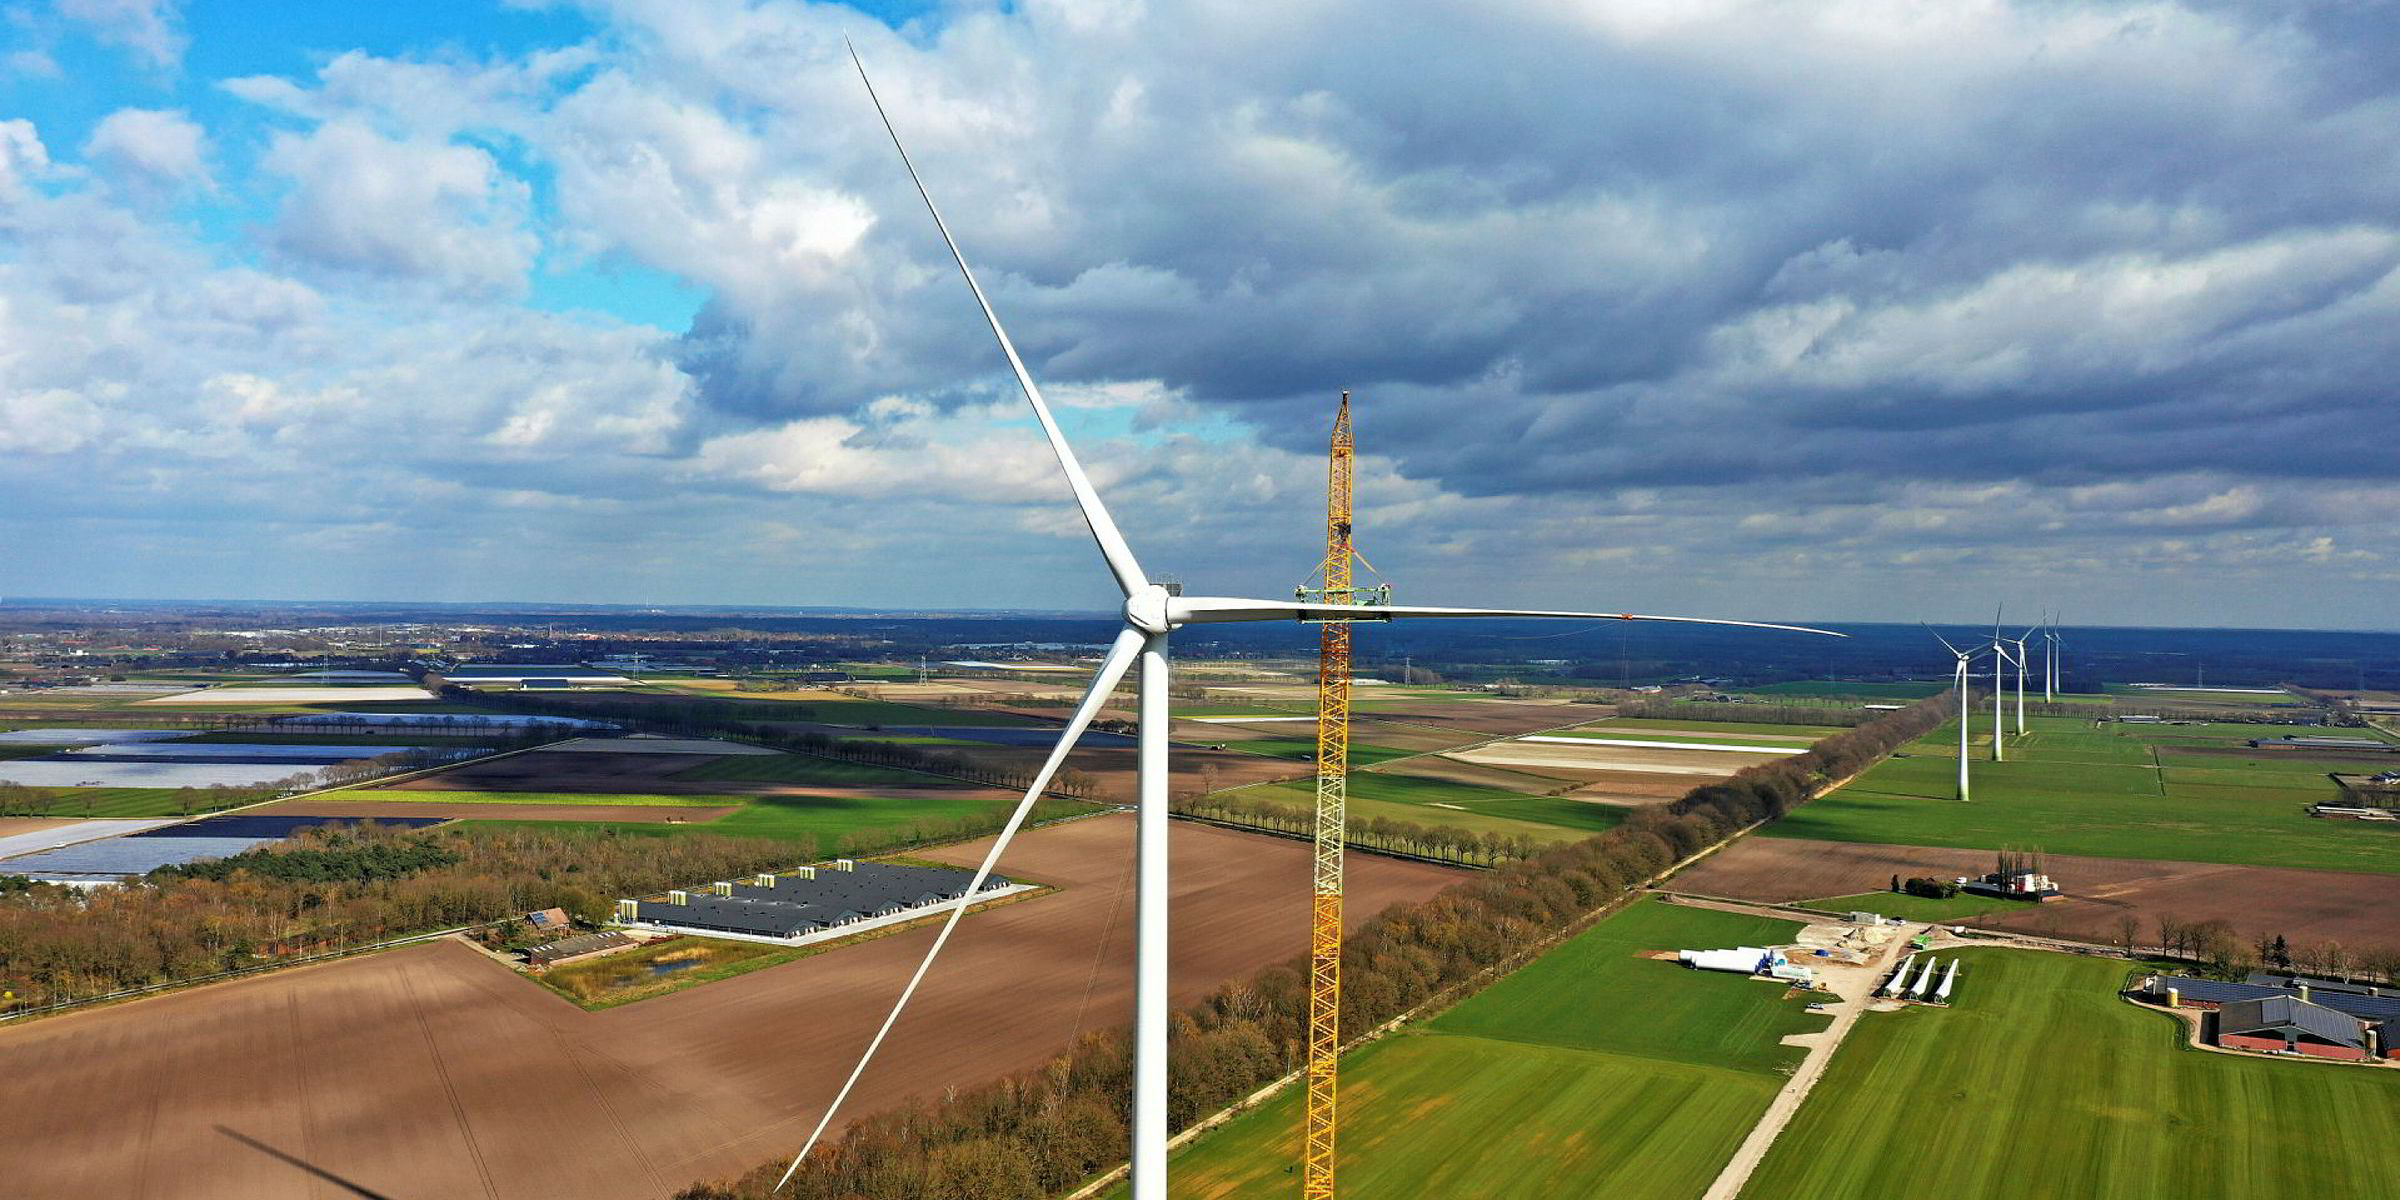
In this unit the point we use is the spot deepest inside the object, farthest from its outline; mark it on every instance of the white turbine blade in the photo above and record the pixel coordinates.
(1213, 610)
(1104, 530)
(1943, 640)
(1121, 656)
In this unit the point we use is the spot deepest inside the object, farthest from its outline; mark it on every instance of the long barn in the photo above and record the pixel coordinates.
(807, 900)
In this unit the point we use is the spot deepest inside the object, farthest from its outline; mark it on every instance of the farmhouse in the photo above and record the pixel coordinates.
(808, 900)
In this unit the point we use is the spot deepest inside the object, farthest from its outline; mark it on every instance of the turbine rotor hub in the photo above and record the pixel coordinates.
(1146, 610)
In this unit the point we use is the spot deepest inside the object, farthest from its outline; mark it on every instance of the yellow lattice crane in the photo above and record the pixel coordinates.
(1333, 792)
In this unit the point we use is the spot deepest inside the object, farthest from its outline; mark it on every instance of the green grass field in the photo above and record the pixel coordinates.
(2038, 1081)
(1590, 1072)
(825, 819)
(1901, 690)
(2233, 699)
(78, 803)
(611, 799)
(2072, 789)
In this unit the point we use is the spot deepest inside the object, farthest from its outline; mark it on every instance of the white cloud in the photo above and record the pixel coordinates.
(23, 158)
(50, 421)
(151, 29)
(416, 210)
(151, 149)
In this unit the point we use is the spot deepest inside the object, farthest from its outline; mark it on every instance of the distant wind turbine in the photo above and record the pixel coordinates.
(2050, 682)
(1151, 612)
(1958, 683)
(1999, 690)
(2019, 642)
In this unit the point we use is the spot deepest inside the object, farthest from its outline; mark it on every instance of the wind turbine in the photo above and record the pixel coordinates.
(1999, 690)
(1958, 683)
(2051, 679)
(1151, 613)
(2019, 642)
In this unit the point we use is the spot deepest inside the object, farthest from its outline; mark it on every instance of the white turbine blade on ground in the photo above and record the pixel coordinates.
(1104, 530)
(1213, 610)
(1120, 657)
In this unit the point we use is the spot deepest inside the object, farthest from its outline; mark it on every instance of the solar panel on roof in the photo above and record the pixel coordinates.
(796, 905)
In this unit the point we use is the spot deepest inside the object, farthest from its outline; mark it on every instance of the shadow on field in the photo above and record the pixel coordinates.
(303, 1164)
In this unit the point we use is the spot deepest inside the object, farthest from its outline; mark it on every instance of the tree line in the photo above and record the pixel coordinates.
(1042, 1132)
(328, 889)
(2217, 952)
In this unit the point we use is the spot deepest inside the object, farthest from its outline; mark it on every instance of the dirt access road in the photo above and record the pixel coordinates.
(434, 1073)
(1854, 985)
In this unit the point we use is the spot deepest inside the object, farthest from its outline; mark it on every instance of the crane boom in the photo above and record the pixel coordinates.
(1333, 795)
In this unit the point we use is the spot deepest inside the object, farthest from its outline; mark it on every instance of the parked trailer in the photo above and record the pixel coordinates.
(1941, 995)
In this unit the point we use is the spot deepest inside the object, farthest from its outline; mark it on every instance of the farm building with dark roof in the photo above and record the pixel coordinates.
(2248, 1014)
(808, 900)
(2291, 1025)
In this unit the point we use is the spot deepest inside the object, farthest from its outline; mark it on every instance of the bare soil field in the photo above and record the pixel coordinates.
(1492, 718)
(1506, 779)
(11, 826)
(436, 1072)
(377, 810)
(1602, 756)
(1632, 790)
(2352, 908)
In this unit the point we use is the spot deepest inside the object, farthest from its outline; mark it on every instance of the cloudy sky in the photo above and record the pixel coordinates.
(1814, 309)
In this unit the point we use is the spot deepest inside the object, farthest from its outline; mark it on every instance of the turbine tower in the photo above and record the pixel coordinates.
(2019, 642)
(1151, 613)
(2051, 637)
(1999, 691)
(1958, 683)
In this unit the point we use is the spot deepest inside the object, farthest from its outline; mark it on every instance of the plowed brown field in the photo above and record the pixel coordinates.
(434, 1072)
(2305, 906)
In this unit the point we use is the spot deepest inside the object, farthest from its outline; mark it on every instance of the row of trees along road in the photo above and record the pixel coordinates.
(1042, 1132)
